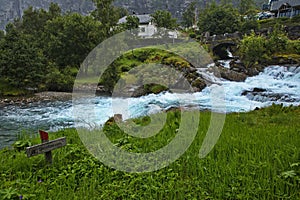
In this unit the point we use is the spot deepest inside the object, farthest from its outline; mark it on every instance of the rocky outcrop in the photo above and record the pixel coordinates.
(238, 66)
(228, 74)
(263, 95)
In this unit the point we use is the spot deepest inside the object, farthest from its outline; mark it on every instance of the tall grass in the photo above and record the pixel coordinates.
(256, 157)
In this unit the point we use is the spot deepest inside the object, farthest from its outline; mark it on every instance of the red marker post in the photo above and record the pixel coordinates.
(45, 138)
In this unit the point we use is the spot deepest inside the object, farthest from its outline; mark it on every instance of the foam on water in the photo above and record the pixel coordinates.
(278, 85)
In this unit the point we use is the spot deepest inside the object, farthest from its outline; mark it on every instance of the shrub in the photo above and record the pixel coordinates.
(252, 49)
(58, 81)
(293, 46)
(277, 42)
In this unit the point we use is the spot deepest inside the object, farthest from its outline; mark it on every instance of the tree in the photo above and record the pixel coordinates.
(132, 22)
(33, 20)
(22, 64)
(163, 19)
(249, 21)
(219, 19)
(252, 49)
(54, 11)
(1, 35)
(107, 14)
(122, 12)
(189, 16)
(245, 6)
(277, 40)
(69, 39)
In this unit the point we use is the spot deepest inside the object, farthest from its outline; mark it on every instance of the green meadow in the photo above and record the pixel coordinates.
(256, 157)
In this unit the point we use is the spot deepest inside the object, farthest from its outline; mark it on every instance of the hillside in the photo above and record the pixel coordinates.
(176, 7)
(11, 9)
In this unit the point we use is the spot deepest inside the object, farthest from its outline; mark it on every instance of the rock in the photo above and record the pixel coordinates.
(198, 85)
(237, 66)
(255, 91)
(259, 90)
(174, 109)
(192, 70)
(118, 117)
(232, 75)
(141, 91)
(253, 72)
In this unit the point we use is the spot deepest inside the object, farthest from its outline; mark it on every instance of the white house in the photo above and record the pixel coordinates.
(146, 27)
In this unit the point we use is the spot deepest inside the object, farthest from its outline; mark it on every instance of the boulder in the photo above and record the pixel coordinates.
(237, 66)
(198, 85)
(255, 91)
(232, 75)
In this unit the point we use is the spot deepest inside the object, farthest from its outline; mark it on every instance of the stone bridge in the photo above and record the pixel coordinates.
(220, 44)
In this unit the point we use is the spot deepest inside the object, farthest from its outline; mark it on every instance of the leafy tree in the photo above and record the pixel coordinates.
(163, 19)
(54, 11)
(34, 20)
(22, 64)
(246, 5)
(122, 12)
(69, 39)
(189, 15)
(107, 14)
(219, 19)
(252, 49)
(132, 22)
(57, 80)
(277, 41)
(249, 21)
(1, 35)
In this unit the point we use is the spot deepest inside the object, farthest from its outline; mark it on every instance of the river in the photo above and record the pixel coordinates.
(277, 84)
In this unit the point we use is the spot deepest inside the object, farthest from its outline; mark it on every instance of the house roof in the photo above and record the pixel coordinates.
(144, 19)
(277, 4)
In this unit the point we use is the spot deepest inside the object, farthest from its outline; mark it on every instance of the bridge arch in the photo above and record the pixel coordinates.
(221, 49)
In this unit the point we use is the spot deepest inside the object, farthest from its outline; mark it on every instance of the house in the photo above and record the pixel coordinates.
(285, 8)
(146, 27)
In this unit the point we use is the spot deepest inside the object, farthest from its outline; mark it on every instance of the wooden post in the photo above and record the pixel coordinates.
(46, 147)
(45, 138)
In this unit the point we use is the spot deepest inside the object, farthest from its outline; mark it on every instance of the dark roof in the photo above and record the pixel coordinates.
(144, 19)
(277, 4)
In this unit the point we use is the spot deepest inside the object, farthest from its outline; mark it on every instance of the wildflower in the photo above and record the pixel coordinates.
(20, 197)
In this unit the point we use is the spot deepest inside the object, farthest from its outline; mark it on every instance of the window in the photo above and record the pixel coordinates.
(143, 29)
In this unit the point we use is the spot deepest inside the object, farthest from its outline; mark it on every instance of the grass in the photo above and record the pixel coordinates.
(256, 157)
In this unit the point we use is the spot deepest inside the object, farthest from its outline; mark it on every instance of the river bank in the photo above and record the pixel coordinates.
(230, 70)
(257, 157)
(37, 97)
